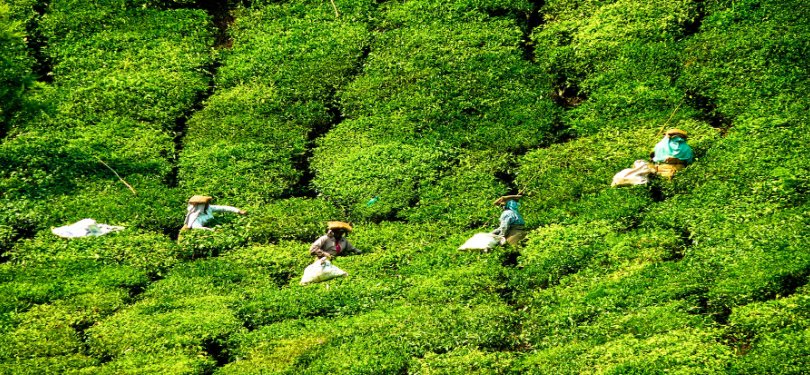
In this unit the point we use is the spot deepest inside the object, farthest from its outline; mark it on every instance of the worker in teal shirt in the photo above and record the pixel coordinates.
(512, 225)
(672, 153)
(673, 149)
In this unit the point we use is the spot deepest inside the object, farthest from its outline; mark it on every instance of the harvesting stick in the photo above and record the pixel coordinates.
(670, 118)
(116, 175)
(335, 8)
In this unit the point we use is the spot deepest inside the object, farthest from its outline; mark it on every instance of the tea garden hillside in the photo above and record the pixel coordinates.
(406, 118)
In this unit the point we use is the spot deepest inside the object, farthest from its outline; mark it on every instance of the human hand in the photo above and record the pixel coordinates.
(242, 212)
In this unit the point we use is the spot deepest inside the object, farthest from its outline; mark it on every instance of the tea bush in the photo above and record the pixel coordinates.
(413, 13)
(18, 220)
(427, 99)
(167, 362)
(266, 98)
(26, 285)
(472, 73)
(47, 365)
(155, 208)
(22, 11)
(749, 57)
(180, 322)
(471, 283)
(319, 11)
(463, 361)
(773, 263)
(394, 172)
(304, 54)
(58, 153)
(687, 351)
(555, 251)
(15, 63)
(237, 170)
(238, 124)
(300, 219)
(71, 175)
(265, 265)
(559, 250)
(41, 165)
(759, 318)
(379, 341)
(771, 335)
(158, 51)
(621, 56)
(343, 297)
(147, 65)
(125, 248)
(51, 335)
(196, 244)
(779, 353)
(370, 283)
(468, 188)
(41, 333)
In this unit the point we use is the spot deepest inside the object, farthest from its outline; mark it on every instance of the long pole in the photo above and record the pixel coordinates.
(117, 175)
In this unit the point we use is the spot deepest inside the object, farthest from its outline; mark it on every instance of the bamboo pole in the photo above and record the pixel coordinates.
(117, 175)
(335, 8)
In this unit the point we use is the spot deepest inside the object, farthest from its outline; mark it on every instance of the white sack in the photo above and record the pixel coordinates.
(481, 241)
(638, 175)
(321, 270)
(84, 228)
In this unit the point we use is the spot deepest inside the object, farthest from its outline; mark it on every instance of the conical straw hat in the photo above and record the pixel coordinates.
(339, 225)
(200, 199)
(505, 198)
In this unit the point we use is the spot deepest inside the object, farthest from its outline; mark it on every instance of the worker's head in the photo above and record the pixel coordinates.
(200, 200)
(676, 133)
(502, 200)
(511, 205)
(338, 228)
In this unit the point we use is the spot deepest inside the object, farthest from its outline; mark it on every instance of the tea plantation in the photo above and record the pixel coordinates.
(302, 111)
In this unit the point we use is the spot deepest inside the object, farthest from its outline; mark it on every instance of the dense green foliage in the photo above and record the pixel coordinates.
(301, 113)
(15, 63)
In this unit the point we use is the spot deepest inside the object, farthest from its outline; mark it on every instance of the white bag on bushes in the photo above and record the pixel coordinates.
(321, 270)
(638, 175)
(84, 228)
(481, 241)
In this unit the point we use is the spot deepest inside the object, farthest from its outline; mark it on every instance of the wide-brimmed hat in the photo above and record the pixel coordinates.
(332, 225)
(505, 198)
(678, 132)
(200, 199)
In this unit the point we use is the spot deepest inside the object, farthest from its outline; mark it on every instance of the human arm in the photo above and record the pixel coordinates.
(316, 249)
(350, 249)
(505, 220)
(198, 225)
(227, 209)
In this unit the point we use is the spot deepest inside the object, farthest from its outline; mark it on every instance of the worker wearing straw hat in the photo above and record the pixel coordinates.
(672, 153)
(200, 211)
(512, 226)
(334, 242)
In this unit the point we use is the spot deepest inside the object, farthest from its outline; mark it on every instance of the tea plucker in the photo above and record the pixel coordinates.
(672, 153)
(334, 242)
(512, 225)
(200, 211)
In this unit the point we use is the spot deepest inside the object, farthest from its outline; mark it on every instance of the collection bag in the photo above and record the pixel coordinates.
(481, 241)
(638, 175)
(321, 270)
(84, 228)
